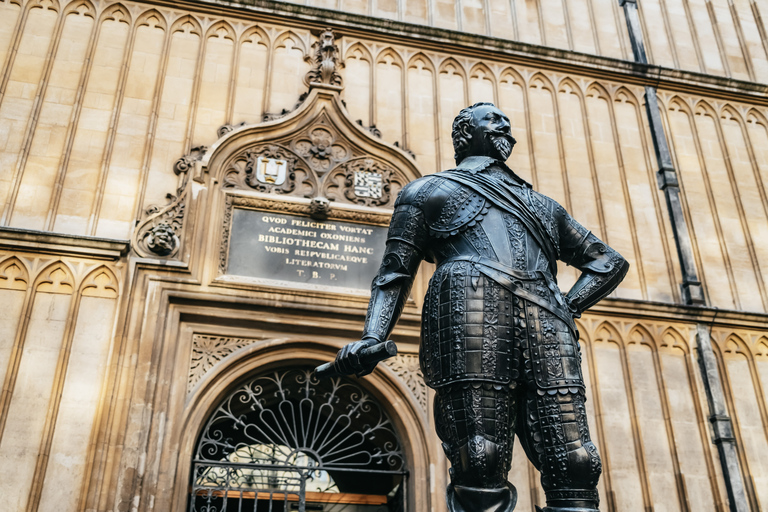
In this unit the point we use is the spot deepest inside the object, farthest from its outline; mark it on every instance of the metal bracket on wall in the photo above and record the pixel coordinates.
(722, 428)
(692, 291)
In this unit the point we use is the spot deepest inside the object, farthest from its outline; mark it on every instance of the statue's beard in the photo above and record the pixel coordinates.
(502, 143)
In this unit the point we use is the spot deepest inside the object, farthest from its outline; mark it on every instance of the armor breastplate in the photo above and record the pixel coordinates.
(451, 208)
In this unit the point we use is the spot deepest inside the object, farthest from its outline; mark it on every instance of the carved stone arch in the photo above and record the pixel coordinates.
(734, 345)
(541, 81)
(517, 78)
(77, 6)
(703, 107)
(116, 12)
(187, 23)
(625, 95)
(481, 67)
(322, 148)
(50, 5)
(293, 36)
(360, 47)
(100, 282)
(728, 112)
(570, 86)
(671, 340)
(14, 274)
(256, 30)
(393, 54)
(215, 30)
(449, 62)
(640, 335)
(606, 332)
(152, 18)
(754, 116)
(16, 2)
(678, 104)
(425, 61)
(597, 89)
(55, 278)
(481, 70)
(761, 348)
(383, 384)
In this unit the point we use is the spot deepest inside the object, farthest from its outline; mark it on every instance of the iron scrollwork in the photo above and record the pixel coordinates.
(285, 433)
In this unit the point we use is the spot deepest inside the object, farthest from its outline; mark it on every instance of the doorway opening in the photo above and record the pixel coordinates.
(284, 440)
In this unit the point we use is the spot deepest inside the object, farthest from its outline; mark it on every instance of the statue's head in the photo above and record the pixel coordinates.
(482, 130)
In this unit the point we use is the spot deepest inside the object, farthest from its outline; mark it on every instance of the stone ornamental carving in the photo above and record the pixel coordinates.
(314, 152)
(268, 168)
(159, 234)
(315, 162)
(406, 367)
(325, 60)
(367, 182)
(208, 350)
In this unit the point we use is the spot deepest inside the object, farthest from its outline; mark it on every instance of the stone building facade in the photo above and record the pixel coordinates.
(131, 139)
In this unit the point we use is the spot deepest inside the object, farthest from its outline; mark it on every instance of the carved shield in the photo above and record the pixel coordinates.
(368, 184)
(271, 170)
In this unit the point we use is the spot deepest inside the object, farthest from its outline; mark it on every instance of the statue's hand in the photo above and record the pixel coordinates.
(348, 359)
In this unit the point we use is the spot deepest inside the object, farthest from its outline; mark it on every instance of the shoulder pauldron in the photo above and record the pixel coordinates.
(452, 208)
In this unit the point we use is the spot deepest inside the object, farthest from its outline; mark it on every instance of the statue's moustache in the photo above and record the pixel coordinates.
(505, 135)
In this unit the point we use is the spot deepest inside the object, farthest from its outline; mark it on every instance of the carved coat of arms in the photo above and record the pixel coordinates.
(270, 171)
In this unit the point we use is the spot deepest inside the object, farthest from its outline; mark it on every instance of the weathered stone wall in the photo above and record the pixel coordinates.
(98, 100)
(725, 38)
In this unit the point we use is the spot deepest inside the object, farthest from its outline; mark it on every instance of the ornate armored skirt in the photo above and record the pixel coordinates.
(475, 329)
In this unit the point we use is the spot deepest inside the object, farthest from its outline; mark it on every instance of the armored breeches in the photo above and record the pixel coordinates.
(477, 424)
(505, 366)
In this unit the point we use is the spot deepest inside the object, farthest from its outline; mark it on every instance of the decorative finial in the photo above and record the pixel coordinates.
(325, 61)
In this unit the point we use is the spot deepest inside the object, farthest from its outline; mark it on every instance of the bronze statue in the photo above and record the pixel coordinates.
(498, 341)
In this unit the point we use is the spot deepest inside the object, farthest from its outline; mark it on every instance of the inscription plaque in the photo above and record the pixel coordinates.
(303, 250)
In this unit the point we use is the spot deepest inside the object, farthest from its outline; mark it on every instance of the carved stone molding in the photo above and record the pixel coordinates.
(325, 60)
(159, 234)
(407, 369)
(317, 161)
(208, 350)
(226, 128)
(226, 229)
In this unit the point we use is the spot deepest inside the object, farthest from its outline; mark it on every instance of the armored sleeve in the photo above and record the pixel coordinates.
(602, 268)
(406, 241)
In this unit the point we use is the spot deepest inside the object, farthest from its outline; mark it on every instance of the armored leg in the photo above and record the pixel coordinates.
(555, 436)
(475, 423)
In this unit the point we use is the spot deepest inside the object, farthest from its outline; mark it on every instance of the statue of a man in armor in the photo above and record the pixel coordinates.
(498, 341)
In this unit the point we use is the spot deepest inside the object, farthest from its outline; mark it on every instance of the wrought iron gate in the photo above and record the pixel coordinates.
(285, 440)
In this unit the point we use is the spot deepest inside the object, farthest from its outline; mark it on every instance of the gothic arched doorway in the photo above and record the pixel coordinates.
(284, 440)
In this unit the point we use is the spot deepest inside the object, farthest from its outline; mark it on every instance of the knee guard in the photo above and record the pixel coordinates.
(472, 499)
(479, 463)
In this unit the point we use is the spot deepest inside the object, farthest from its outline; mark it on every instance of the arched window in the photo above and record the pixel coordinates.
(285, 440)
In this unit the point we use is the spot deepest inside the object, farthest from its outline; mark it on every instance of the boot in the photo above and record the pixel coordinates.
(476, 499)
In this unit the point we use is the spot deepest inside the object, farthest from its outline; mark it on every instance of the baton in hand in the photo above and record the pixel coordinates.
(368, 357)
